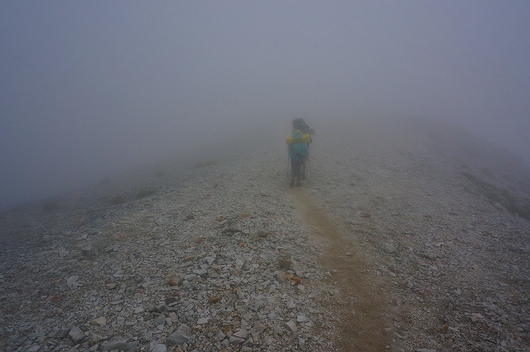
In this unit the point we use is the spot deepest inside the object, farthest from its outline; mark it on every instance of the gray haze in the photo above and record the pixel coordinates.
(91, 88)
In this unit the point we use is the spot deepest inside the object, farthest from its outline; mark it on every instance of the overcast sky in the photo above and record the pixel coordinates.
(91, 87)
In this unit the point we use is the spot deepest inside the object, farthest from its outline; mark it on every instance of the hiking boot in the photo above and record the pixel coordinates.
(292, 183)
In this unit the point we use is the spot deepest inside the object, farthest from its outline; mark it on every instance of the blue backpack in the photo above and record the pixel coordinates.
(297, 149)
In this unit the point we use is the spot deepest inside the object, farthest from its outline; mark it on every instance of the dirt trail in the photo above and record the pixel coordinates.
(360, 305)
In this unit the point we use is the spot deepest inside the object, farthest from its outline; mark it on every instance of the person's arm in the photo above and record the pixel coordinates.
(311, 132)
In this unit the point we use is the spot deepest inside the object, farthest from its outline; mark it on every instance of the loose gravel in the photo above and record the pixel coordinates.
(391, 246)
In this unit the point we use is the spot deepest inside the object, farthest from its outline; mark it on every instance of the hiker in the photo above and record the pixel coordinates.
(299, 124)
(297, 154)
(298, 143)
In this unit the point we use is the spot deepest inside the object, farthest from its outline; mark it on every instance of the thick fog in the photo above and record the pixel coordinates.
(91, 88)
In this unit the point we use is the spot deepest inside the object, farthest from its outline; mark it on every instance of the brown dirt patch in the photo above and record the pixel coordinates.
(360, 305)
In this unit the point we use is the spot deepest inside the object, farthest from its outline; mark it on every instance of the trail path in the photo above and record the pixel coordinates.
(360, 304)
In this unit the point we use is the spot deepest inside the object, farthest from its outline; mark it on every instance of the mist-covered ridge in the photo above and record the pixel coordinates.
(404, 228)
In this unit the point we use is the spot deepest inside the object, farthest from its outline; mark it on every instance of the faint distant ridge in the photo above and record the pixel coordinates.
(497, 174)
(490, 171)
(495, 194)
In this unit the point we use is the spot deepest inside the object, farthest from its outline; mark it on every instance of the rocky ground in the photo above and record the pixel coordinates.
(395, 245)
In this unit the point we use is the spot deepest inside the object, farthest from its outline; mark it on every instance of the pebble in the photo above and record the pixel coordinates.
(157, 347)
(76, 334)
(202, 321)
(180, 336)
(72, 281)
(389, 247)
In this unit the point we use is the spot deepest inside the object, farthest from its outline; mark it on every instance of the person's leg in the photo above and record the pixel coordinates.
(304, 164)
(298, 171)
(293, 172)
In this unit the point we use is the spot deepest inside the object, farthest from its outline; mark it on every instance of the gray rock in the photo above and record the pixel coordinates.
(239, 264)
(292, 326)
(302, 318)
(236, 340)
(257, 330)
(160, 321)
(76, 334)
(190, 277)
(180, 336)
(301, 343)
(89, 250)
(119, 344)
(157, 347)
(72, 281)
(285, 263)
(277, 329)
(209, 260)
(389, 247)
(242, 333)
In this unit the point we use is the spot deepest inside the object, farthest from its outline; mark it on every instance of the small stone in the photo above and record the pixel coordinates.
(202, 321)
(236, 340)
(89, 250)
(119, 344)
(243, 333)
(209, 260)
(173, 280)
(389, 247)
(302, 318)
(301, 343)
(191, 277)
(258, 327)
(277, 329)
(72, 281)
(433, 270)
(290, 304)
(285, 263)
(475, 317)
(180, 336)
(160, 321)
(239, 264)
(76, 334)
(157, 347)
(101, 321)
(292, 325)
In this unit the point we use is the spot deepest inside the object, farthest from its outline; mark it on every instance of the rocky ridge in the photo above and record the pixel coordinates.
(391, 235)
(214, 260)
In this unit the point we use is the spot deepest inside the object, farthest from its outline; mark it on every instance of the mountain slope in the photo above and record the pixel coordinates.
(396, 243)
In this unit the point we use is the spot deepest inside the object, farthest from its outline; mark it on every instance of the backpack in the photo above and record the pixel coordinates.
(297, 145)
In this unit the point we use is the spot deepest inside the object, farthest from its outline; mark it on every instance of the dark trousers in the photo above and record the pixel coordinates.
(296, 168)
